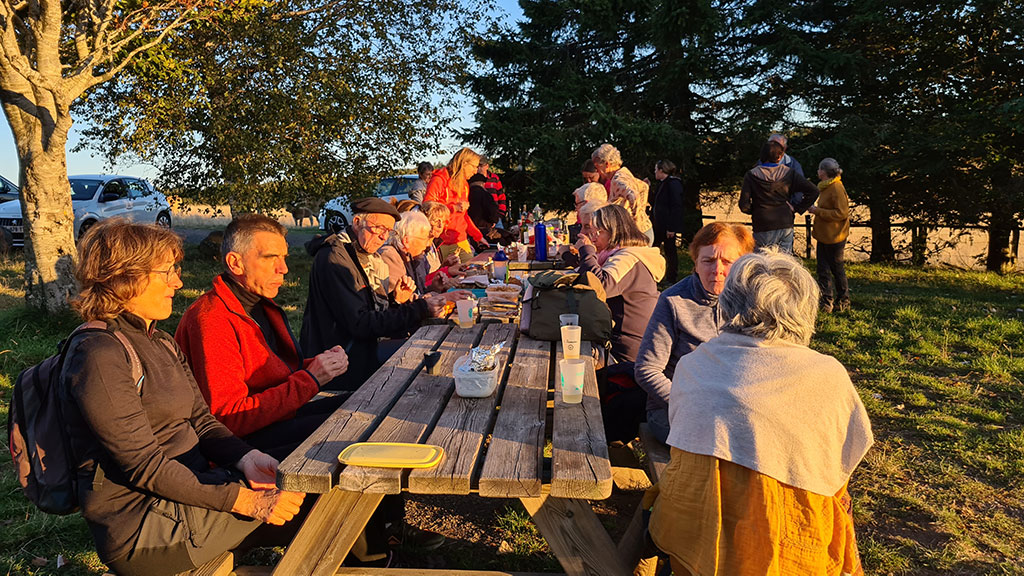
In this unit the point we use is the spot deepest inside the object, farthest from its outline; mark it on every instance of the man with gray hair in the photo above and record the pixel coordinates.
(242, 352)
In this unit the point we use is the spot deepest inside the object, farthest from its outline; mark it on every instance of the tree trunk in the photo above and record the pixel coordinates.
(40, 121)
(881, 230)
(1000, 258)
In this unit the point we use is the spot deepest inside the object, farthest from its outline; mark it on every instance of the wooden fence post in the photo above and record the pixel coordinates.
(807, 229)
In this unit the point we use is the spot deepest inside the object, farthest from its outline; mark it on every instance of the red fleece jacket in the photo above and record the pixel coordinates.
(247, 386)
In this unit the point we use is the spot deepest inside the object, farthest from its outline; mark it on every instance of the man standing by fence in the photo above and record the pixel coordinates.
(773, 194)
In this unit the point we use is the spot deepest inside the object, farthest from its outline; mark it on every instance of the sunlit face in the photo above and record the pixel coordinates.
(155, 300)
(415, 245)
(437, 223)
(469, 168)
(714, 261)
(372, 230)
(262, 267)
(591, 177)
(599, 236)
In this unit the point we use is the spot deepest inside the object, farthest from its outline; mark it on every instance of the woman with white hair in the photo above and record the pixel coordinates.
(831, 229)
(765, 433)
(623, 188)
(404, 252)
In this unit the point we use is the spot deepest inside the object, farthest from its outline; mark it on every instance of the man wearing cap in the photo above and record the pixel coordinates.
(787, 160)
(353, 303)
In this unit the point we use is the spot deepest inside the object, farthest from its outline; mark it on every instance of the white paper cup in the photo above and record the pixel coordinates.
(466, 313)
(569, 319)
(572, 372)
(521, 252)
(571, 342)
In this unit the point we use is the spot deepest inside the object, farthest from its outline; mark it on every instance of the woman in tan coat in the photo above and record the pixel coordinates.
(831, 228)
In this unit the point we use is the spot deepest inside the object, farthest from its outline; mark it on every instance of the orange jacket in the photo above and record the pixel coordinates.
(459, 225)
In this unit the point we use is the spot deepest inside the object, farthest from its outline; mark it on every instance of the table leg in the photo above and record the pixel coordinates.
(576, 536)
(327, 535)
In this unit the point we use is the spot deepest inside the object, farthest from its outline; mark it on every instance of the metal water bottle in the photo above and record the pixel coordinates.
(540, 242)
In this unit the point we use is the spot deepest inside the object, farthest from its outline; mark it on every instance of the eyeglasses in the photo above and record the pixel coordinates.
(174, 270)
(377, 229)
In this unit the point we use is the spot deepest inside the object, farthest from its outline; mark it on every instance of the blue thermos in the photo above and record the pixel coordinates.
(540, 242)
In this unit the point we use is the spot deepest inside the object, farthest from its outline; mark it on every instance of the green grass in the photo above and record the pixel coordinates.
(937, 356)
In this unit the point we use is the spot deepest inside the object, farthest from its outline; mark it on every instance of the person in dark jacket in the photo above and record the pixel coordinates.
(483, 210)
(772, 194)
(144, 449)
(351, 302)
(786, 158)
(675, 214)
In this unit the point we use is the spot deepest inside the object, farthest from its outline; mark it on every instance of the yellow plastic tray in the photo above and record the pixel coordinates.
(391, 455)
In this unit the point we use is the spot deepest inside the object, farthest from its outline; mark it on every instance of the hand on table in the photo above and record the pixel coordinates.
(483, 243)
(451, 260)
(329, 364)
(436, 304)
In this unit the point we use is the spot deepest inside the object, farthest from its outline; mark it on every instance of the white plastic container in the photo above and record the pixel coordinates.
(504, 293)
(469, 384)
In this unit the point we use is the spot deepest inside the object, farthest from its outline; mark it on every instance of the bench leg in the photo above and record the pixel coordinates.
(325, 538)
(576, 536)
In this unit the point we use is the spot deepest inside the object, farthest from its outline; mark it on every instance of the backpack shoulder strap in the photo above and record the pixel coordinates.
(133, 356)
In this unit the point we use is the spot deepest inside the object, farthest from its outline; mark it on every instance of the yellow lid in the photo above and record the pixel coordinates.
(391, 455)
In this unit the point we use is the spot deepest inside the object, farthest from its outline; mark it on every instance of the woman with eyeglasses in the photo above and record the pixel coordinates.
(450, 186)
(405, 252)
(144, 446)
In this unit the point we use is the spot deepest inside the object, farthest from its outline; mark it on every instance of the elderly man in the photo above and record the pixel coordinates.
(352, 302)
(787, 160)
(242, 352)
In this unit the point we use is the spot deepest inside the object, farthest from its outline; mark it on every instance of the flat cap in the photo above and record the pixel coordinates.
(375, 206)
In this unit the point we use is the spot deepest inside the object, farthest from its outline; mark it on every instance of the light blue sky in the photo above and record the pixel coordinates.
(85, 163)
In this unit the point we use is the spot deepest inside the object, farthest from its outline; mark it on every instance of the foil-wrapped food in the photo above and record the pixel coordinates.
(483, 359)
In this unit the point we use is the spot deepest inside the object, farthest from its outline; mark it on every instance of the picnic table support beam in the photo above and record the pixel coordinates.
(325, 538)
(576, 536)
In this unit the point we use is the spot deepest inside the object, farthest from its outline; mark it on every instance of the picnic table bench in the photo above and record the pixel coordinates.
(493, 447)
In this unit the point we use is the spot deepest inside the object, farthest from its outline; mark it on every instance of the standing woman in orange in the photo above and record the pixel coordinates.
(450, 186)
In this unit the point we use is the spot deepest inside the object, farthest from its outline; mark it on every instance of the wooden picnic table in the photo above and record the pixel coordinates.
(493, 448)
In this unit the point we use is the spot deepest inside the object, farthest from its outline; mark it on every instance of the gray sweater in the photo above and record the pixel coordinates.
(685, 316)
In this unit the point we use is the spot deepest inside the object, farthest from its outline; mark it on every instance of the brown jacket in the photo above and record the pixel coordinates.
(832, 218)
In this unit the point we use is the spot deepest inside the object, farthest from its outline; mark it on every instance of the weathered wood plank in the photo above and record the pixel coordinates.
(513, 465)
(327, 535)
(313, 466)
(462, 428)
(576, 536)
(580, 467)
(412, 416)
(657, 454)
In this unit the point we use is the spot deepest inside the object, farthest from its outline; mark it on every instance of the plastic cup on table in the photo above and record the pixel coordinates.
(572, 371)
(522, 253)
(568, 319)
(466, 313)
(571, 336)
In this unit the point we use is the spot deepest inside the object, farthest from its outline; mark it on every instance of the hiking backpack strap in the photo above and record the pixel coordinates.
(133, 357)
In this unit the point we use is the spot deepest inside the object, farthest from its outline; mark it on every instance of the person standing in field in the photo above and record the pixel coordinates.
(831, 229)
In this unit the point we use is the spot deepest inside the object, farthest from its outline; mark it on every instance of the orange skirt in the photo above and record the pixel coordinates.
(718, 518)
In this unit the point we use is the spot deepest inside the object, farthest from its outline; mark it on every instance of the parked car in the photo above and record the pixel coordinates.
(8, 190)
(98, 197)
(336, 214)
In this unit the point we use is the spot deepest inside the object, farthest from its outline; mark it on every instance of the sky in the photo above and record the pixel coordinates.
(87, 163)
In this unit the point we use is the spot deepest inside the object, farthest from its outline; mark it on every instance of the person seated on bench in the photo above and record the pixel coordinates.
(245, 359)
(686, 315)
(765, 433)
(151, 499)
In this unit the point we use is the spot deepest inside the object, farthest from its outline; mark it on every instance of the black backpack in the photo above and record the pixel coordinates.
(38, 433)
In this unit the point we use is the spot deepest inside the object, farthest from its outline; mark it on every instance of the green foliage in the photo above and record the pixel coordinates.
(656, 79)
(283, 102)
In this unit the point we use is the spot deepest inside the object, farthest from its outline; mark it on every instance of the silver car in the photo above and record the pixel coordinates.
(97, 197)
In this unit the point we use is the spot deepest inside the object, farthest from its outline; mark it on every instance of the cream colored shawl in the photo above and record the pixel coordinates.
(780, 409)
